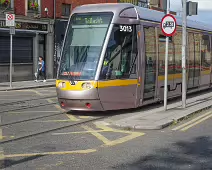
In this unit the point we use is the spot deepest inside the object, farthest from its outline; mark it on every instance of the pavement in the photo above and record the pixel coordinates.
(26, 85)
(157, 118)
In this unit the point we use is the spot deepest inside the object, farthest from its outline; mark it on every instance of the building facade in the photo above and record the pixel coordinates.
(34, 35)
(40, 28)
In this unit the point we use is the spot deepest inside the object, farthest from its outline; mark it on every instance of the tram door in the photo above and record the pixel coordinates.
(194, 60)
(149, 63)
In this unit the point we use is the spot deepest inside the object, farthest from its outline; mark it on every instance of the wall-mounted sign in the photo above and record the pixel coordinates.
(26, 26)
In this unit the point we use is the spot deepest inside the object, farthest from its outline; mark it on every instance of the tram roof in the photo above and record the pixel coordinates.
(144, 13)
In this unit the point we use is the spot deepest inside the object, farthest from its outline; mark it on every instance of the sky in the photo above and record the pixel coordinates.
(204, 10)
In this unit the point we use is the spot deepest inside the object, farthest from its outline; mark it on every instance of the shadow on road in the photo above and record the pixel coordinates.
(10, 162)
(194, 155)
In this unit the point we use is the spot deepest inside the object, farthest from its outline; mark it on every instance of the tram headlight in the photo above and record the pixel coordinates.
(62, 85)
(87, 85)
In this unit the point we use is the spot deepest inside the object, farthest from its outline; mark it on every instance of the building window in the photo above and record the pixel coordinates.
(34, 5)
(6, 4)
(66, 9)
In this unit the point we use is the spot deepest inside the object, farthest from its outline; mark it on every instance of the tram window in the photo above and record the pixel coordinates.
(162, 50)
(178, 52)
(121, 54)
(205, 53)
(197, 39)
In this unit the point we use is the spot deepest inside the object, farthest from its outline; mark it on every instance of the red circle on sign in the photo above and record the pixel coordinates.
(168, 15)
(10, 17)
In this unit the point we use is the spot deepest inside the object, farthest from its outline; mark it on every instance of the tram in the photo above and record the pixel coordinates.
(113, 57)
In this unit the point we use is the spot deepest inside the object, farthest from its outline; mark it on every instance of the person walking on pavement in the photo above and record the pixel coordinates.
(41, 69)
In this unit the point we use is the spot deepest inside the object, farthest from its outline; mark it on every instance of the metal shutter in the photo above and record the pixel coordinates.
(22, 49)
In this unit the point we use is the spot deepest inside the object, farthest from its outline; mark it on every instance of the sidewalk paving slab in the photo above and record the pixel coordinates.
(157, 118)
(20, 85)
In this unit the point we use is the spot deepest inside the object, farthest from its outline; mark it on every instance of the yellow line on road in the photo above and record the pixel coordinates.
(51, 153)
(193, 120)
(85, 117)
(103, 127)
(37, 92)
(45, 121)
(71, 117)
(1, 136)
(197, 122)
(50, 101)
(35, 112)
(133, 135)
(81, 132)
(96, 134)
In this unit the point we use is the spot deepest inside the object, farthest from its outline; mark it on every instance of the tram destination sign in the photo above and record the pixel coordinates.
(91, 19)
(168, 25)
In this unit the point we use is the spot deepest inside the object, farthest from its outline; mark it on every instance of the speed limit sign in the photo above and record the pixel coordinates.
(168, 25)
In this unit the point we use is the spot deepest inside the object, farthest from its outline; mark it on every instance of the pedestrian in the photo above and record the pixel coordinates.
(41, 70)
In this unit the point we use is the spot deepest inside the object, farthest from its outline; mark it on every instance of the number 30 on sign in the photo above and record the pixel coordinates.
(125, 28)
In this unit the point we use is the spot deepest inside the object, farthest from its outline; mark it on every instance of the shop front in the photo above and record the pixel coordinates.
(30, 41)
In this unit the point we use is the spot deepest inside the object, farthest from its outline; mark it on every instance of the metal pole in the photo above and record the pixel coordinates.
(184, 39)
(11, 57)
(166, 64)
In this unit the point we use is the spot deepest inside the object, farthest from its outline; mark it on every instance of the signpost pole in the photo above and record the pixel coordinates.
(11, 57)
(166, 64)
(10, 22)
(184, 87)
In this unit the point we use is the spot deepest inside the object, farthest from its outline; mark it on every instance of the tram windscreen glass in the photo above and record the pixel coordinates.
(83, 45)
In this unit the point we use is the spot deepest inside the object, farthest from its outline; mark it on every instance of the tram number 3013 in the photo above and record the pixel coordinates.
(125, 28)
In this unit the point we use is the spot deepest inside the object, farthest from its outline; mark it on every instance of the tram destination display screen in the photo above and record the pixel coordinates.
(92, 19)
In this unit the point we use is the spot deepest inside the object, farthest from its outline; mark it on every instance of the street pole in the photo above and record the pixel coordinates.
(166, 63)
(184, 39)
(11, 57)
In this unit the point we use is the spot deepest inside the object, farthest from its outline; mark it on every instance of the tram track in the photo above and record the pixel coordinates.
(72, 124)
(27, 100)
(26, 105)
(31, 119)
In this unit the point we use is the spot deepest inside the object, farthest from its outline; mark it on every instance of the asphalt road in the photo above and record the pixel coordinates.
(45, 138)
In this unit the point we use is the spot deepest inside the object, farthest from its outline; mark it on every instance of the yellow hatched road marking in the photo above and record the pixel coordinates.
(104, 128)
(96, 134)
(86, 151)
(192, 121)
(197, 122)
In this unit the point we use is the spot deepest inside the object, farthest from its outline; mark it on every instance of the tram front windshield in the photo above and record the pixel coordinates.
(83, 45)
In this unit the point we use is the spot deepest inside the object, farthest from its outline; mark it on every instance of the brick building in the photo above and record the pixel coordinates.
(33, 37)
(40, 28)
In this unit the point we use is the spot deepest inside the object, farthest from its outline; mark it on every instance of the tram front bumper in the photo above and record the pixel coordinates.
(86, 100)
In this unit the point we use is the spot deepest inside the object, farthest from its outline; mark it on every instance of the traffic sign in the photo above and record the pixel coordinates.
(10, 20)
(12, 30)
(169, 25)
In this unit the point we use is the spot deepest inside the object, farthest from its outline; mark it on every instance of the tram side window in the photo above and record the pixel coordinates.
(162, 50)
(121, 53)
(178, 52)
(205, 53)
